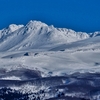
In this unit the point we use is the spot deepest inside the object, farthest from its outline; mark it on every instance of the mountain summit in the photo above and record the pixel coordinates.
(42, 62)
(36, 34)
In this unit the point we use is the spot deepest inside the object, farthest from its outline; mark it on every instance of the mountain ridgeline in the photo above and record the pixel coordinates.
(41, 62)
(39, 35)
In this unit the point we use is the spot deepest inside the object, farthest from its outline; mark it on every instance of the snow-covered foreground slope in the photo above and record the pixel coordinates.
(48, 63)
(60, 73)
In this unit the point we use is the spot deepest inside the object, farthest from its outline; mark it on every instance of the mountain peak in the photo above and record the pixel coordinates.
(14, 27)
(36, 34)
(34, 23)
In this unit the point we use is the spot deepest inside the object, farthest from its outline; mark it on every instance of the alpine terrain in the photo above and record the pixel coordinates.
(41, 62)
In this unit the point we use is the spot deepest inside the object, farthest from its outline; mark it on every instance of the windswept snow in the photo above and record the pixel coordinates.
(41, 57)
(14, 27)
(11, 78)
(36, 35)
(55, 51)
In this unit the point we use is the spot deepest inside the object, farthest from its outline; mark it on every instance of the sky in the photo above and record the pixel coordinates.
(79, 15)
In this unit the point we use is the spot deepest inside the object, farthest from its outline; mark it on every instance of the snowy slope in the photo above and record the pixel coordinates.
(48, 63)
(83, 45)
(47, 47)
(11, 28)
(35, 35)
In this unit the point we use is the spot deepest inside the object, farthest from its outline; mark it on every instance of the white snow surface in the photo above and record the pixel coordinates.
(53, 51)
(11, 78)
(36, 35)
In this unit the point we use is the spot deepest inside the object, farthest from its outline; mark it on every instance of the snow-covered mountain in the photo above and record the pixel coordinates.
(36, 34)
(41, 62)
(10, 29)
